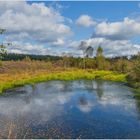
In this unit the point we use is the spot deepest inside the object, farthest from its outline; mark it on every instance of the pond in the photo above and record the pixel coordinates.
(70, 109)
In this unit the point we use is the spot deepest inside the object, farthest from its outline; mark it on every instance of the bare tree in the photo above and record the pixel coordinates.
(87, 51)
(2, 31)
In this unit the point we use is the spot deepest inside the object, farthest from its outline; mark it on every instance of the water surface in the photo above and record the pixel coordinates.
(70, 109)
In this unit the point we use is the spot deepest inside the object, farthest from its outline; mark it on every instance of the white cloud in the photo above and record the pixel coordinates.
(85, 20)
(115, 47)
(28, 48)
(139, 5)
(86, 107)
(118, 30)
(33, 23)
(58, 42)
(111, 48)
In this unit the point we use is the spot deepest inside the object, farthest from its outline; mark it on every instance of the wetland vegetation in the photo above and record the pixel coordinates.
(28, 71)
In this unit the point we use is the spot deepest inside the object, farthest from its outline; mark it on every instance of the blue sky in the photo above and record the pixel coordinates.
(102, 10)
(99, 10)
(110, 11)
(59, 27)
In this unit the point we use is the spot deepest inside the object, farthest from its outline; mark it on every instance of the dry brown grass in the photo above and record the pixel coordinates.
(20, 66)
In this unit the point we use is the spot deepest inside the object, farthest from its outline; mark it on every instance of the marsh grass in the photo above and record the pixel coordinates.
(8, 80)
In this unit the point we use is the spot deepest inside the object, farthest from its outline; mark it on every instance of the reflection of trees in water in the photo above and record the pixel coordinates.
(94, 85)
(66, 86)
(99, 89)
(83, 101)
(138, 106)
(88, 84)
(85, 104)
(30, 93)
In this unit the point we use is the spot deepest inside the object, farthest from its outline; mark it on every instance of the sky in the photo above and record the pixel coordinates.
(59, 27)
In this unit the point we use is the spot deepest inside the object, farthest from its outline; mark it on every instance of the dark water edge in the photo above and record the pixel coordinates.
(70, 109)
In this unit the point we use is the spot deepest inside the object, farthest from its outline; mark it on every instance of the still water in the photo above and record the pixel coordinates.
(70, 109)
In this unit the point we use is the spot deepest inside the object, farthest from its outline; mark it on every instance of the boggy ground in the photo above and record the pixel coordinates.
(18, 73)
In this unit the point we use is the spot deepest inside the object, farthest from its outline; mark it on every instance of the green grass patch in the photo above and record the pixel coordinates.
(66, 75)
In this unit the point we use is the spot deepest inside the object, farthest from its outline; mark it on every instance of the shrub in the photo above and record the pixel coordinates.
(1, 63)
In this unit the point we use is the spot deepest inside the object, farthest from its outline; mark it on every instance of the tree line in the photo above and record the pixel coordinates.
(99, 62)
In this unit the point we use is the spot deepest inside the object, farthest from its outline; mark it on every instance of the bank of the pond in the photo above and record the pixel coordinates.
(137, 95)
(8, 81)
